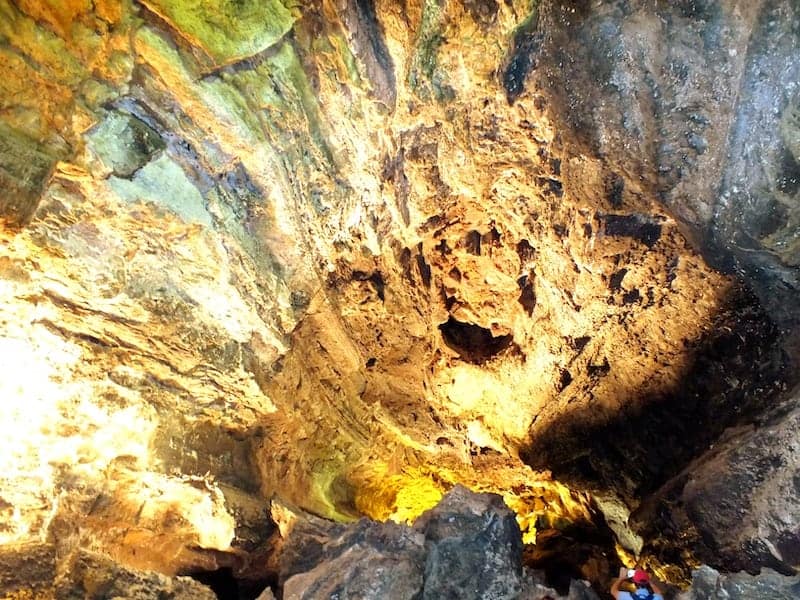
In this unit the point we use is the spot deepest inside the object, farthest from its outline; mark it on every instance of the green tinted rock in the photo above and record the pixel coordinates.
(124, 143)
(163, 182)
(25, 166)
(227, 30)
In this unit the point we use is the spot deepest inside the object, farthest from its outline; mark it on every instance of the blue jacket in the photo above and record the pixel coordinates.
(640, 593)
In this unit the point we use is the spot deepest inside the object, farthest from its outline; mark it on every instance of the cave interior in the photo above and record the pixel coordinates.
(274, 268)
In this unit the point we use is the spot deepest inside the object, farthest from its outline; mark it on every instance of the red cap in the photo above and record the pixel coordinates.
(640, 576)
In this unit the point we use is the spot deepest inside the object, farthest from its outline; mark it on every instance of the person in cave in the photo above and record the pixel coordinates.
(646, 589)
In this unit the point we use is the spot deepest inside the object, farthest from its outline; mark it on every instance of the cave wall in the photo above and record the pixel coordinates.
(352, 253)
(693, 103)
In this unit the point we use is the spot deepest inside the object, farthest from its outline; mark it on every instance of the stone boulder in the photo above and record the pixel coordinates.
(367, 560)
(474, 547)
(467, 547)
(96, 577)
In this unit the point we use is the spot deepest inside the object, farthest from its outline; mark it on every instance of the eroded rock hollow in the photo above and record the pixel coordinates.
(263, 259)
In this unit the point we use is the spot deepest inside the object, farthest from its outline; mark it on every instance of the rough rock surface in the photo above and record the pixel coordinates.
(708, 584)
(95, 577)
(737, 505)
(469, 547)
(32, 572)
(473, 548)
(351, 253)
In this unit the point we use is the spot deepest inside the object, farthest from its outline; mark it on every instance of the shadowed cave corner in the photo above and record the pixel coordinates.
(661, 433)
(228, 586)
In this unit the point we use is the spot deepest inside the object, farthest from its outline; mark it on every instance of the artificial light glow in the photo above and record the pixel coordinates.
(539, 502)
(401, 497)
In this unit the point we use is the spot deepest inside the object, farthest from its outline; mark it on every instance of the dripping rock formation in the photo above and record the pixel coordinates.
(338, 258)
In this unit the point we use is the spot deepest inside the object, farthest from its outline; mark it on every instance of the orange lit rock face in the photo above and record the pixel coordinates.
(341, 269)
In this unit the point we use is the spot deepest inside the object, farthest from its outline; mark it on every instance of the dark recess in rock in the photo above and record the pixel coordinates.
(491, 238)
(564, 379)
(473, 343)
(227, 587)
(600, 370)
(637, 227)
(551, 186)
(393, 171)
(771, 220)
(525, 251)
(789, 174)
(527, 297)
(376, 281)
(574, 553)
(615, 281)
(579, 343)
(522, 59)
(614, 188)
(631, 297)
(424, 268)
(472, 242)
(405, 263)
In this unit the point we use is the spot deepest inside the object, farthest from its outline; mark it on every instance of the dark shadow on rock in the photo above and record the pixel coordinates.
(737, 374)
(736, 505)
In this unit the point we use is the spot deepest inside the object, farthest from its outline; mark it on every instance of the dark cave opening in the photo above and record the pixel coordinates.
(473, 343)
(582, 551)
(224, 583)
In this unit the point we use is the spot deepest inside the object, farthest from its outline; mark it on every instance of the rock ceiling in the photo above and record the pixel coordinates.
(349, 254)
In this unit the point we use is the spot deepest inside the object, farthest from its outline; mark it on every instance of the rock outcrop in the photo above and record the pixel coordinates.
(469, 546)
(32, 572)
(694, 103)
